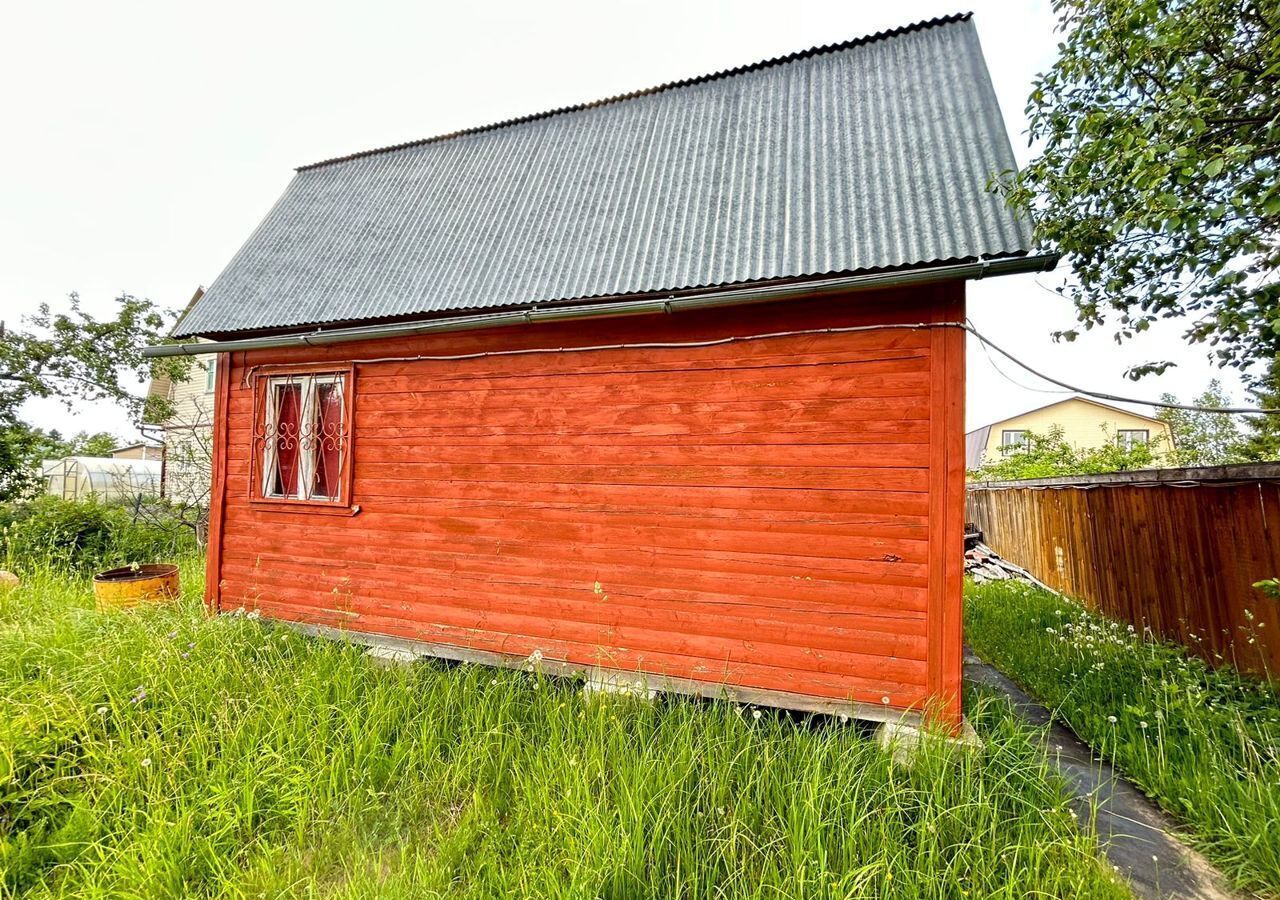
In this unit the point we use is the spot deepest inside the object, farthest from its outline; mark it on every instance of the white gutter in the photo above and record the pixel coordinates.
(731, 297)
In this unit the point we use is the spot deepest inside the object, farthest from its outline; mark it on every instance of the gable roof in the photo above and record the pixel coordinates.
(1072, 399)
(975, 441)
(869, 155)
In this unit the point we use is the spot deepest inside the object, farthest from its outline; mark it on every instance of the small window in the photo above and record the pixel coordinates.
(1013, 440)
(1128, 438)
(303, 439)
(210, 374)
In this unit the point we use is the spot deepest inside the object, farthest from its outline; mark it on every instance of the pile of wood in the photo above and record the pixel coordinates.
(981, 563)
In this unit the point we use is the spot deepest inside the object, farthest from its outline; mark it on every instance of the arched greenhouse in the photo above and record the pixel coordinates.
(104, 478)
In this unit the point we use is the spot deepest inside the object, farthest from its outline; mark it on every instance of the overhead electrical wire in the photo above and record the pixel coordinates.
(986, 351)
(1188, 407)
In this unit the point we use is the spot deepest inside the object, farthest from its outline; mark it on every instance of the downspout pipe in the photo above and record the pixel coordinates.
(733, 297)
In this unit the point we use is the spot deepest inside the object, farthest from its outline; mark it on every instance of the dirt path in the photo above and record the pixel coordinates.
(1137, 837)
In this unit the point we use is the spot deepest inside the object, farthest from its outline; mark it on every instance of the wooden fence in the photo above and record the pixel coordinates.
(1177, 550)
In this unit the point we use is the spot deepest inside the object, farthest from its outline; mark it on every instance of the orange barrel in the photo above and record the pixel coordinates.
(128, 586)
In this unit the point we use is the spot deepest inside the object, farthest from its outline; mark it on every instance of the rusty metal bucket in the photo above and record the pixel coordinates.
(126, 587)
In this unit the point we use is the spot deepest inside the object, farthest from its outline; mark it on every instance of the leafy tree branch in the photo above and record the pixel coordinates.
(1159, 173)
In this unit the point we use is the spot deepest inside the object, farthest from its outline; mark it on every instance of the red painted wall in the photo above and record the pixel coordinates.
(782, 514)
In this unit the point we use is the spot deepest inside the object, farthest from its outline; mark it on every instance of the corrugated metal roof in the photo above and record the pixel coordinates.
(871, 154)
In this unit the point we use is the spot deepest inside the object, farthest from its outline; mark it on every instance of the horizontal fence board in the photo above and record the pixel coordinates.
(1180, 559)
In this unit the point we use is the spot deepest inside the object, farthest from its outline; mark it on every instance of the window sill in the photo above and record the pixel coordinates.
(305, 507)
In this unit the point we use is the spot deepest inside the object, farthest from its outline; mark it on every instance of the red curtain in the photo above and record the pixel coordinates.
(328, 439)
(288, 439)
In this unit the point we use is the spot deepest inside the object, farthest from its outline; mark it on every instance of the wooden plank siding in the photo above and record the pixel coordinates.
(1180, 559)
(782, 514)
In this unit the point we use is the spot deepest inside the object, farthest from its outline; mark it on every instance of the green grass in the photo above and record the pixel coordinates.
(1204, 743)
(164, 754)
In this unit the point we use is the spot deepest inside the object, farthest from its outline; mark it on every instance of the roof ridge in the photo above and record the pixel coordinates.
(645, 92)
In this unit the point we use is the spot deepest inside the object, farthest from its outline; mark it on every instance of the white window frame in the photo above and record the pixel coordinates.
(1125, 437)
(308, 441)
(1008, 446)
(210, 374)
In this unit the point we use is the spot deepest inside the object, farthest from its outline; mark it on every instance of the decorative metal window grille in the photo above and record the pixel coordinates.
(304, 438)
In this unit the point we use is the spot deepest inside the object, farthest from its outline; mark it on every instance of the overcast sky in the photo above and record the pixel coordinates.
(143, 141)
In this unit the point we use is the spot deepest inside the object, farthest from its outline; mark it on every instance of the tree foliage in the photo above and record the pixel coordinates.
(1158, 175)
(1203, 438)
(99, 444)
(1262, 433)
(73, 356)
(22, 448)
(1049, 455)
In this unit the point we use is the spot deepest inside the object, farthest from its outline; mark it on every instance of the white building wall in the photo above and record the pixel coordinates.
(189, 435)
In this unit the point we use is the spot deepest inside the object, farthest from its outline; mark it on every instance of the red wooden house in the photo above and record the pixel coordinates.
(668, 384)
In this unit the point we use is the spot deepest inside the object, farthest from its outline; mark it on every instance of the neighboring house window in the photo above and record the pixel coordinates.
(211, 374)
(302, 442)
(1011, 440)
(1128, 438)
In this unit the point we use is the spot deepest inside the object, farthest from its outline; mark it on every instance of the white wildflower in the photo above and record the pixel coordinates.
(1111, 719)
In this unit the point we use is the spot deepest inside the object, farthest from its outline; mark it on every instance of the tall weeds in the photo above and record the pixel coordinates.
(161, 753)
(1205, 743)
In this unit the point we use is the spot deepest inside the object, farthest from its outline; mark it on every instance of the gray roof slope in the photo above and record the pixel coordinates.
(871, 154)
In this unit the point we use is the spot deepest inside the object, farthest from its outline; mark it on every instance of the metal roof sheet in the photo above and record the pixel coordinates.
(871, 154)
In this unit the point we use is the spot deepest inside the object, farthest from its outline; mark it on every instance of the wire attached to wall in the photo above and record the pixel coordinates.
(252, 371)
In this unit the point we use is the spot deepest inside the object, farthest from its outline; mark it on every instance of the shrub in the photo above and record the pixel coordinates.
(81, 535)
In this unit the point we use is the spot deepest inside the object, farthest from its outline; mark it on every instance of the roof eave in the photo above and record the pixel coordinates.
(665, 303)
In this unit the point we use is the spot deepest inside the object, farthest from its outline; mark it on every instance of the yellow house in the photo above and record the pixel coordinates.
(1084, 423)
